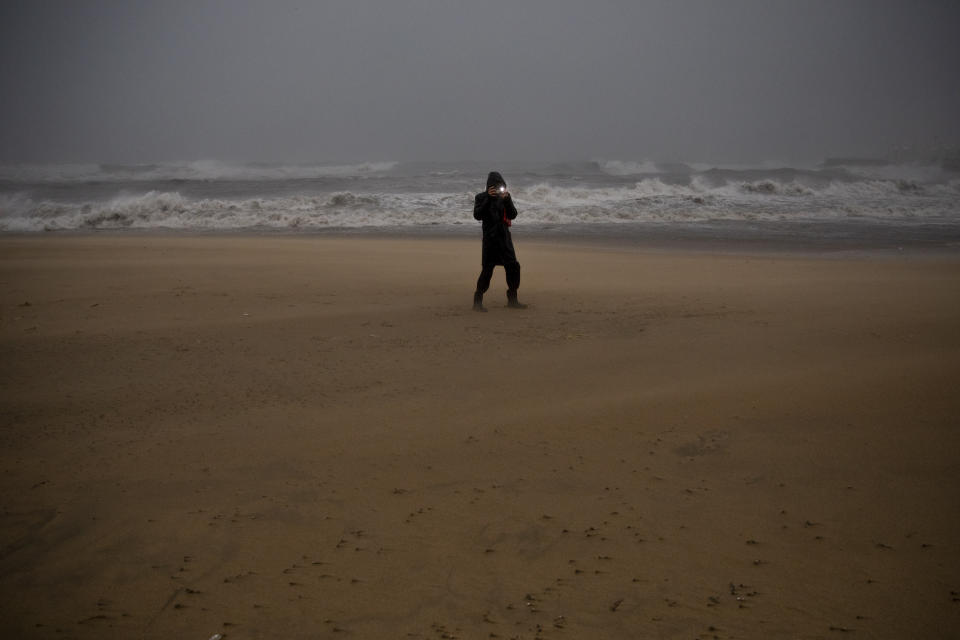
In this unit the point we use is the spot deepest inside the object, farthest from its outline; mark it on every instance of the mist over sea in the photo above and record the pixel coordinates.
(859, 202)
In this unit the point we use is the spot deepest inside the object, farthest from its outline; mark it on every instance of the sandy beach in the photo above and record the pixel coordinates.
(311, 437)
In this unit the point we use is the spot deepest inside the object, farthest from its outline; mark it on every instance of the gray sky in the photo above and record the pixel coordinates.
(136, 81)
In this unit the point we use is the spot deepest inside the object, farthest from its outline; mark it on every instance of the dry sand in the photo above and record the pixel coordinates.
(282, 437)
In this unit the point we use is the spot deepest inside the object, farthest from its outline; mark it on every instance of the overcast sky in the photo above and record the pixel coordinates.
(332, 81)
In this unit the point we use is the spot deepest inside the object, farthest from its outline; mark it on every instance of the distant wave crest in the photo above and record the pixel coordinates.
(627, 168)
(193, 170)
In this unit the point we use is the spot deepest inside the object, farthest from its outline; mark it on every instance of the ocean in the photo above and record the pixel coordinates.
(844, 202)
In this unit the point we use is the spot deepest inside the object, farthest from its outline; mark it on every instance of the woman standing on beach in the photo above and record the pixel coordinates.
(494, 208)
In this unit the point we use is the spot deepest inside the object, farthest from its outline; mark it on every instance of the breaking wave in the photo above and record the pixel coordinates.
(170, 210)
(651, 199)
(213, 195)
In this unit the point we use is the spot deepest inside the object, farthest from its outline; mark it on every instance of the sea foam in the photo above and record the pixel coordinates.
(220, 196)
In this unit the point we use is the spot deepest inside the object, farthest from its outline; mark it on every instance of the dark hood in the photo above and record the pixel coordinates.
(495, 179)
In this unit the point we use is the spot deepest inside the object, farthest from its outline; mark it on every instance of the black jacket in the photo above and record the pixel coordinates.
(495, 213)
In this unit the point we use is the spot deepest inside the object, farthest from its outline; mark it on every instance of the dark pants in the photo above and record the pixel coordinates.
(513, 277)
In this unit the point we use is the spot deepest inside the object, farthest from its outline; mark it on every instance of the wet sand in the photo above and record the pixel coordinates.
(282, 437)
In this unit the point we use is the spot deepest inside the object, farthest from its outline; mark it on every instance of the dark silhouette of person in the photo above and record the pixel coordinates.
(494, 208)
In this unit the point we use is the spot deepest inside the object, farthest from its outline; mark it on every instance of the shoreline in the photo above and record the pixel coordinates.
(814, 238)
(312, 435)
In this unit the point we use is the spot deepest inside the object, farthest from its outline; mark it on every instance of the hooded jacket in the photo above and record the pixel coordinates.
(495, 213)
